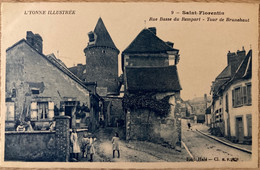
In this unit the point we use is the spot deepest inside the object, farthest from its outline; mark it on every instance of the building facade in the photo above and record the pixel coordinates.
(152, 90)
(38, 87)
(232, 102)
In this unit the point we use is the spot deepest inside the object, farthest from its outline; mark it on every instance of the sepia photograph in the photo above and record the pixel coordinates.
(129, 85)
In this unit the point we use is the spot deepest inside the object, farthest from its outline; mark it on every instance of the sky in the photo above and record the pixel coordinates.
(203, 44)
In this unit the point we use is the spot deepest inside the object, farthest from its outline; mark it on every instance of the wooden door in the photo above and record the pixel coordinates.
(240, 129)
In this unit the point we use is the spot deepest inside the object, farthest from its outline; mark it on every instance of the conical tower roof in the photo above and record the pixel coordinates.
(103, 38)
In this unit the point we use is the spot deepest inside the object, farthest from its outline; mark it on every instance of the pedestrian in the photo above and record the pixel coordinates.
(91, 148)
(189, 125)
(52, 126)
(75, 145)
(29, 126)
(20, 127)
(84, 145)
(115, 145)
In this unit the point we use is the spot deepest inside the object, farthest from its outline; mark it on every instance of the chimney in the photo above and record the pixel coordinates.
(241, 54)
(30, 37)
(38, 42)
(35, 40)
(152, 29)
(235, 59)
(170, 43)
(206, 101)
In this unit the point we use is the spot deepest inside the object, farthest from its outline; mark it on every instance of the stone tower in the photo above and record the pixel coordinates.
(102, 60)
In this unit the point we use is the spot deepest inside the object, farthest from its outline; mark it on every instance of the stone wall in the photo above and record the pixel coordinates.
(144, 124)
(39, 145)
(117, 113)
(30, 146)
(102, 67)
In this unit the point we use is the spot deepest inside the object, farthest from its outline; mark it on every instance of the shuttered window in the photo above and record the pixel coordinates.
(242, 96)
(9, 111)
(42, 110)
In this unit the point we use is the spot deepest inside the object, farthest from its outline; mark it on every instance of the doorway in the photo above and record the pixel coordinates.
(240, 129)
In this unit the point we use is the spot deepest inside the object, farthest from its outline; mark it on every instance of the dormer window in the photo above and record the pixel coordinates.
(35, 91)
(92, 38)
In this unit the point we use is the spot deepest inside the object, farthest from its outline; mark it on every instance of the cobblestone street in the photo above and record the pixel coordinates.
(204, 148)
(133, 151)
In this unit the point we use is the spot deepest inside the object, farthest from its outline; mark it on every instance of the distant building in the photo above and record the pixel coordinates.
(232, 102)
(152, 89)
(38, 87)
(199, 106)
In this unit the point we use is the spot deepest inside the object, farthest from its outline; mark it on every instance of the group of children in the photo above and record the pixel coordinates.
(87, 146)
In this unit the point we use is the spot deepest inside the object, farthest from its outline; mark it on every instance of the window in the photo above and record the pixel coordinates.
(171, 60)
(13, 92)
(242, 96)
(35, 91)
(42, 110)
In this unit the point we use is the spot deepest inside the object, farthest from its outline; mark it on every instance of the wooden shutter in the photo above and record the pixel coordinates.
(51, 110)
(34, 111)
(233, 98)
(249, 96)
(9, 111)
(244, 100)
(249, 125)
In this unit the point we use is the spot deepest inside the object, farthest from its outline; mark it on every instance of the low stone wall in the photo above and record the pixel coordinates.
(30, 146)
(39, 145)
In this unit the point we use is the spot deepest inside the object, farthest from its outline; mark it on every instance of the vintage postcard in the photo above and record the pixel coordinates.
(129, 85)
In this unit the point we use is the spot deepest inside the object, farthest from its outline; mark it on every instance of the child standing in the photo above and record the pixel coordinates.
(115, 145)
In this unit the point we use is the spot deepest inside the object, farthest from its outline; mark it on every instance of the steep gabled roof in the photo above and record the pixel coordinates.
(103, 37)
(244, 71)
(158, 79)
(147, 42)
(226, 73)
(245, 68)
(53, 61)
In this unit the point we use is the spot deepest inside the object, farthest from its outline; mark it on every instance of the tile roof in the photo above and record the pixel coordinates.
(54, 61)
(226, 73)
(79, 71)
(244, 71)
(159, 79)
(103, 37)
(147, 42)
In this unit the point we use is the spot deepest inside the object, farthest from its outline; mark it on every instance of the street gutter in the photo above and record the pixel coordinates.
(225, 143)
(188, 151)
